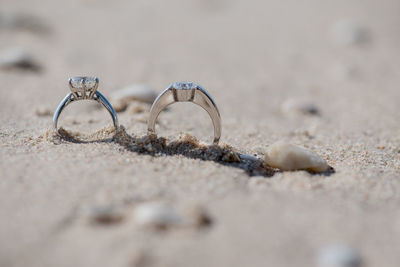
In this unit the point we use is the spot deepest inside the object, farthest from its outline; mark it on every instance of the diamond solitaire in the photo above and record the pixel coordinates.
(83, 87)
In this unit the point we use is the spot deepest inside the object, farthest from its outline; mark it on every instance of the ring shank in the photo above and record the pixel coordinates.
(97, 97)
(165, 99)
(203, 99)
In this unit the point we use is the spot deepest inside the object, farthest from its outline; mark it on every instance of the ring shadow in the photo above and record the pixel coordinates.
(187, 146)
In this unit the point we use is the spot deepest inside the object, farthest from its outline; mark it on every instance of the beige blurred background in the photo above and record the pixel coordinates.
(253, 57)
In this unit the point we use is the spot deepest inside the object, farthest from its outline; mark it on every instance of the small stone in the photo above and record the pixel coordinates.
(119, 106)
(136, 108)
(157, 215)
(198, 217)
(42, 111)
(338, 256)
(17, 58)
(103, 215)
(288, 157)
(231, 157)
(299, 106)
(349, 32)
(135, 92)
(21, 21)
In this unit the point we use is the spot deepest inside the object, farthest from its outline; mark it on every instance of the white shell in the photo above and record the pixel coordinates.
(288, 157)
(349, 32)
(299, 106)
(338, 256)
(16, 57)
(157, 215)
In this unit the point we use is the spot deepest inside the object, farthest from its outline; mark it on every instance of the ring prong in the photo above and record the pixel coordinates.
(73, 89)
(70, 83)
(84, 85)
(96, 83)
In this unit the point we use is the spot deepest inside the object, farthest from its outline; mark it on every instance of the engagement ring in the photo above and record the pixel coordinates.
(84, 88)
(186, 92)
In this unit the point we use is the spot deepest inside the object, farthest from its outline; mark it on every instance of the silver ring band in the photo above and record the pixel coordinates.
(84, 88)
(186, 92)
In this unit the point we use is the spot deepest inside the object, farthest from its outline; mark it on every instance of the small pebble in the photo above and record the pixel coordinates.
(17, 58)
(135, 108)
(22, 21)
(119, 105)
(157, 215)
(42, 111)
(135, 92)
(198, 217)
(288, 157)
(338, 256)
(231, 157)
(104, 215)
(299, 106)
(349, 32)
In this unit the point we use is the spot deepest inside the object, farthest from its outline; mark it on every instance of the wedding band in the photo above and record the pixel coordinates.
(185, 92)
(84, 88)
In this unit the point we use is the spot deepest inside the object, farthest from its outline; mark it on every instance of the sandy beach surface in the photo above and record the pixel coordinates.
(65, 202)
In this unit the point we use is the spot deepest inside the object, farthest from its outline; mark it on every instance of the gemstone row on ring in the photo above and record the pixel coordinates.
(184, 85)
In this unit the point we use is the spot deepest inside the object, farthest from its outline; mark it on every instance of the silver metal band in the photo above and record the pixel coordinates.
(83, 92)
(186, 92)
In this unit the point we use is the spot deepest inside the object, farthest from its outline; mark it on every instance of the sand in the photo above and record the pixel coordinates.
(252, 56)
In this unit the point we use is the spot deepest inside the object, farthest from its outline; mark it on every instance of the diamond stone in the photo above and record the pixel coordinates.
(90, 82)
(76, 82)
(79, 82)
(184, 85)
